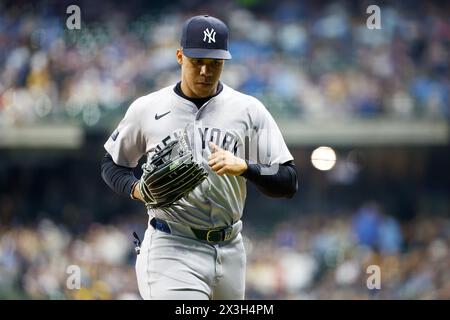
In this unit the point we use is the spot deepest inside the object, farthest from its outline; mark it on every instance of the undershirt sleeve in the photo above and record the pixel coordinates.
(118, 178)
(282, 184)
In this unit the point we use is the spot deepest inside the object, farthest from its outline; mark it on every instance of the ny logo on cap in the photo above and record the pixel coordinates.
(210, 34)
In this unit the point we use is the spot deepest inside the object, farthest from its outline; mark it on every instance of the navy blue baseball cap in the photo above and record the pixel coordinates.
(205, 37)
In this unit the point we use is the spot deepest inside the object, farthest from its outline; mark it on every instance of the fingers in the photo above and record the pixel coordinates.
(214, 147)
(212, 160)
(216, 158)
(216, 152)
(218, 166)
(217, 163)
(222, 171)
(221, 161)
(221, 166)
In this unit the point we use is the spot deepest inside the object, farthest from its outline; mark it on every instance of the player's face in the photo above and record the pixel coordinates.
(199, 77)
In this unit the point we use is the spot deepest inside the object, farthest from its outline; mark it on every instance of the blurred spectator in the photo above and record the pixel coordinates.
(366, 224)
(34, 261)
(376, 230)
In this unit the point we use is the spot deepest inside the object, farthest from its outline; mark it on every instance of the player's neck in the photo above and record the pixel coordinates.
(187, 92)
(197, 101)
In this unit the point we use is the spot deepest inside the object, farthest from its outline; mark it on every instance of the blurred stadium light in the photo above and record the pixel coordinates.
(323, 158)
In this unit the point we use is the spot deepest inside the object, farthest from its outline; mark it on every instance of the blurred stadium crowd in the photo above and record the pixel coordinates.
(309, 257)
(302, 59)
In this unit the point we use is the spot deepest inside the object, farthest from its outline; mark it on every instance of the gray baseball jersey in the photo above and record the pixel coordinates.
(171, 266)
(232, 120)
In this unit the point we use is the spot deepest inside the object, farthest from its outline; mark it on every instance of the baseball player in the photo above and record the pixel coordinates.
(193, 248)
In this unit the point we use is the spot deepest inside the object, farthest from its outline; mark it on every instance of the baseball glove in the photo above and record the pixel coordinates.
(170, 174)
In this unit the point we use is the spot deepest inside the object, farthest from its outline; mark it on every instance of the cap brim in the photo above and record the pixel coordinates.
(207, 53)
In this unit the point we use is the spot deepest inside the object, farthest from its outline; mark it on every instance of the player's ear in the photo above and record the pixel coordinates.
(180, 56)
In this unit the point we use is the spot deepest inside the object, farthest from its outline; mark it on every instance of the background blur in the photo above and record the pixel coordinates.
(379, 98)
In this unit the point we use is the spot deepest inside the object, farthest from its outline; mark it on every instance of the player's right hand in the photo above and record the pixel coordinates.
(224, 162)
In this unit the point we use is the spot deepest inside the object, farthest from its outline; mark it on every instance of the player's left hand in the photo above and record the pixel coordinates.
(224, 162)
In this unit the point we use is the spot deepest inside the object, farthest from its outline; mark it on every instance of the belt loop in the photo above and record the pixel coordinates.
(160, 225)
(227, 233)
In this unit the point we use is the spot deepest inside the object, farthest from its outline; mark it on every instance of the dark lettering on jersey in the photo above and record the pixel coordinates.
(235, 147)
(163, 143)
(224, 139)
(202, 135)
(215, 136)
(227, 140)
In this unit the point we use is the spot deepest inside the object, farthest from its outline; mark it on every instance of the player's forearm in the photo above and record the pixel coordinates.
(282, 184)
(118, 178)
